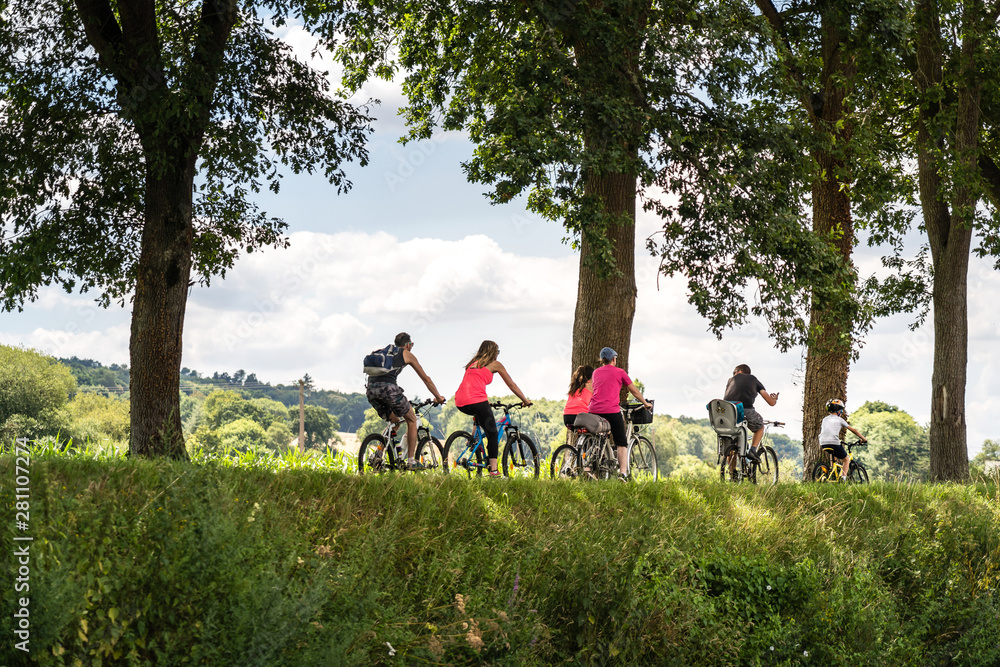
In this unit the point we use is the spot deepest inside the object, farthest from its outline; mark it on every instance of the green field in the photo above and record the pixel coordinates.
(138, 562)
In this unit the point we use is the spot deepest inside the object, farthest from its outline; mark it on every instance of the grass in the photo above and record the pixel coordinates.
(296, 561)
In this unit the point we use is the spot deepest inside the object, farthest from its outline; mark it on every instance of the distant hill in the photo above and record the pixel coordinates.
(348, 408)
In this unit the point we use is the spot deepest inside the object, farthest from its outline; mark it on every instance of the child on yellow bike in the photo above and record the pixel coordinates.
(829, 434)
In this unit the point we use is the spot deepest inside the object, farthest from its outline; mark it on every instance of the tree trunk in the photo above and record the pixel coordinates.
(161, 291)
(605, 306)
(949, 232)
(829, 354)
(947, 435)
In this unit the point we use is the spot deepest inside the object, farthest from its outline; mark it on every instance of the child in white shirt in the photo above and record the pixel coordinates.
(829, 434)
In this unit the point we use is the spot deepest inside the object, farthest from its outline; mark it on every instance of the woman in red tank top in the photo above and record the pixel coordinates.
(471, 396)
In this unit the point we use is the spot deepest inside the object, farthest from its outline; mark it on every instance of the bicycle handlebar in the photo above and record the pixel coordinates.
(507, 406)
(779, 424)
(422, 404)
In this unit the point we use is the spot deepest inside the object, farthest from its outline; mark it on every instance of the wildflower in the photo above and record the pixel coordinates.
(392, 651)
(769, 587)
(460, 603)
(805, 653)
(435, 647)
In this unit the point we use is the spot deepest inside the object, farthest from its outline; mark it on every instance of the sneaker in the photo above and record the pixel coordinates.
(752, 455)
(624, 478)
(494, 473)
(417, 465)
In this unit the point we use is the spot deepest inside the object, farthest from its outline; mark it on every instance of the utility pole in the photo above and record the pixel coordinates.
(302, 416)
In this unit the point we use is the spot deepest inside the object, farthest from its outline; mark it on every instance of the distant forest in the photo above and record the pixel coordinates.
(348, 408)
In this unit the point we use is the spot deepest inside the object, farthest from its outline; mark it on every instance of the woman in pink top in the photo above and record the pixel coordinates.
(608, 383)
(580, 391)
(471, 396)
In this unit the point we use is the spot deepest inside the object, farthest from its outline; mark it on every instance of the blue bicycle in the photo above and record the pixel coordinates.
(468, 450)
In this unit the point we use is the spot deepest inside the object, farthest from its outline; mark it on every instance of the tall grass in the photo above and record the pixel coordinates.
(290, 561)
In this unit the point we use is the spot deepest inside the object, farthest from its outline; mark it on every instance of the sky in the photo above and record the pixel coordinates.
(414, 247)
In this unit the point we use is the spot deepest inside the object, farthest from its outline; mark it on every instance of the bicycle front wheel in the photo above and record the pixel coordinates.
(767, 469)
(372, 455)
(858, 474)
(460, 451)
(824, 472)
(642, 460)
(565, 463)
(520, 458)
(430, 454)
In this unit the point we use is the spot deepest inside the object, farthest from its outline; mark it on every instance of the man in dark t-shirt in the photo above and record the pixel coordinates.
(743, 387)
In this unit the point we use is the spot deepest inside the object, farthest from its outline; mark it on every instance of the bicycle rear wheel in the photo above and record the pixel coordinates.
(372, 455)
(520, 458)
(767, 469)
(430, 454)
(461, 452)
(824, 472)
(565, 463)
(858, 474)
(729, 470)
(642, 460)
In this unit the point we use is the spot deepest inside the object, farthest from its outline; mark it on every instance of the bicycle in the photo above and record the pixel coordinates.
(596, 457)
(383, 452)
(641, 453)
(519, 458)
(734, 434)
(829, 470)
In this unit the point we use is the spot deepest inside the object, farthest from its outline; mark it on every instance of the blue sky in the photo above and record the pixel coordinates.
(415, 247)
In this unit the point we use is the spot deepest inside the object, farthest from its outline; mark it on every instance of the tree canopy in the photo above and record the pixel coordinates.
(34, 389)
(133, 137)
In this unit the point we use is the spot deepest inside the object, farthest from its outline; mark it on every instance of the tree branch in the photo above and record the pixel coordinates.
(773, 16)
(990, 172)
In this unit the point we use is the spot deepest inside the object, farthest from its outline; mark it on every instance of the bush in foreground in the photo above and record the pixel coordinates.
(138, 562)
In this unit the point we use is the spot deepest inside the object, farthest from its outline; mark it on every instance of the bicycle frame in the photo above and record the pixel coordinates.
(834, 466)
(396, 457)
(505, 428)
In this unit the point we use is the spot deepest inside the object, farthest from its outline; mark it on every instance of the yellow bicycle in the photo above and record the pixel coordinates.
(830, 470)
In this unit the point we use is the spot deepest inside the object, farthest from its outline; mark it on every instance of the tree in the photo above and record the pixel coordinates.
(584, 106)
(321, 426)
(945, 106)
(830, 55)
(953, 69)
(34, 390)
(897, 445)
(110, 114)
(96, 417)
(990, 452)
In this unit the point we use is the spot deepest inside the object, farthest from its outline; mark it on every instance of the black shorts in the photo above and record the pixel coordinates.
(838, 450)
(569, 420)
(387, 398)
(617, 428)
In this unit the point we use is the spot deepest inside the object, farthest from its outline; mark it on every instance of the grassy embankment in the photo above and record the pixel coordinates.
(136, 562)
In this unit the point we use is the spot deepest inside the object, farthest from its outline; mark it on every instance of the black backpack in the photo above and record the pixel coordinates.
(379, 362)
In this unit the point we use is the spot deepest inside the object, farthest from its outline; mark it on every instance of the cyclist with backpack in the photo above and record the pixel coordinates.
(608, 381)
(472, 400)
(829, 434)
(387, 397)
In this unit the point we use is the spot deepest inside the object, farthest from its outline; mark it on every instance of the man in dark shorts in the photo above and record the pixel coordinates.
(743, 388)
(388, 399)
